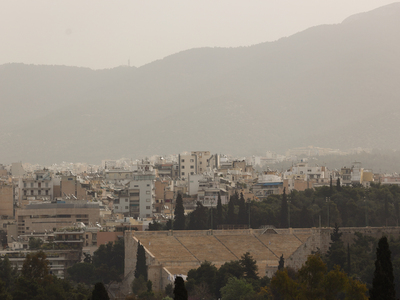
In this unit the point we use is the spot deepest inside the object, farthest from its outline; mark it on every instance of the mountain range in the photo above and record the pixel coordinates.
(332, 86)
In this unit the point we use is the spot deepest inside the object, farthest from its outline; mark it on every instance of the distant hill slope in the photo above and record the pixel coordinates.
(330, 86)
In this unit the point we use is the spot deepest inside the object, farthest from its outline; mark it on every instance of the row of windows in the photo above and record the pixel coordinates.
(39, 192)
(39, 184)
(183, 173)
(192, 167)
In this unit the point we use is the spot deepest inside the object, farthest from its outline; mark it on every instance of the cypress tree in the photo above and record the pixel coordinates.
(231, 218)
(179, 222)
(141, 267)
(242, 216)
(219, 210)
(281, 263)
(180, 292)
(338, 186)
(382, 283)
(99, 292)
(336, 254)
(284, 211)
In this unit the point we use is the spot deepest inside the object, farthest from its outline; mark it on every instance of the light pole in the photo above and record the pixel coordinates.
(328, 199)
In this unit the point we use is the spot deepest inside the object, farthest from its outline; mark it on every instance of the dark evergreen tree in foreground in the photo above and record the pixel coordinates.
(100, 292)
(141, 267)
(284, 211)
(180, 292)
(249, 266)
(382, 283)
(242, 216)
(336, 254)
(179, 222)
(281, 263)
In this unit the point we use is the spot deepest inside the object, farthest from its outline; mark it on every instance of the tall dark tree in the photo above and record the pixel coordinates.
(141, 267)
(281, 263)
(331, 187)
(338, 186)
(100, 292)
(198, 218)
(219, 218)
(242, 216)
(180, 292)
(231, 217)
(284, 211)
(336, 254)
(179, 222)
(383, 281)
(249, 266)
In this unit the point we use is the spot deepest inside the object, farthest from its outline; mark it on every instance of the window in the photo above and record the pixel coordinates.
(192, 167)
(191, 173)
(126, 207)
(31, 184)
(24, 193)
(192, 160)
(136, 185)
(201, 162)
(183, 173)
(182, 160)
(183, 167)
(147, 207)
(31, 192)
(39, 192)
(47, 192)
(24, 184)
(147, 200)
(39, 184)
(148, 185)
(116, 207)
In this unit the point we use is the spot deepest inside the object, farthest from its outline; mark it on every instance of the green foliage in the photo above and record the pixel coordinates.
(141, 267)
(180, 292)
(237, 289)
(198, 218)
(35, 243)
(155, 226)
(284, 211)
(109, 261)
(249, 266)
(314, 282)
(231, 216)
(204, 275)
(99, 292)
(179, 213)
(336, 254)
(383, 281)
(139, 285)
(281, 263)
(82, 273)
(242, 215)
(35, 266)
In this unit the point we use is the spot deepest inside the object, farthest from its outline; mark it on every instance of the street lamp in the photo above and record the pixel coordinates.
(328, 199)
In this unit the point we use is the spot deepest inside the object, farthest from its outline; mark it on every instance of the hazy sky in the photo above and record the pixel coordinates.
(105, 34)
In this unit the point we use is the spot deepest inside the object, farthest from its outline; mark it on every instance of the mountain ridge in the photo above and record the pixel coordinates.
(295, 91)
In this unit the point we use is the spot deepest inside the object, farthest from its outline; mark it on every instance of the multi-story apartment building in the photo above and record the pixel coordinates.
(6, 200)
(70, 185)
(194, 163)
(36, 186)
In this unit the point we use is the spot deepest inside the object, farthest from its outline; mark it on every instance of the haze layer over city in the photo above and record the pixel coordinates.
(83, 82)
